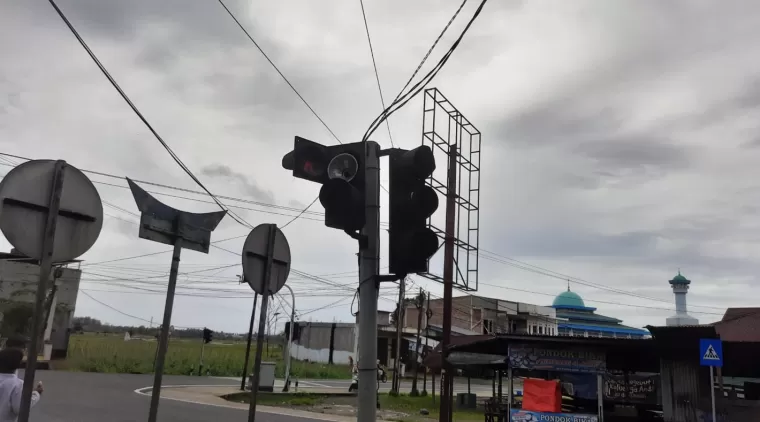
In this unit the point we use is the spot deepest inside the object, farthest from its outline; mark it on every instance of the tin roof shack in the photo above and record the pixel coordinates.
(686, 384)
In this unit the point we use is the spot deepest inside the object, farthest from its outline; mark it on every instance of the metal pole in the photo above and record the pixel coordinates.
(163, 341)
(290, 338)
(262, 323)
(448, 283)
(248, 344)
(369, 258)
(600, 396)
(200, 362)
(420, 303)
(427, 335)
(396, 384)
(46, 264)
(712, 392)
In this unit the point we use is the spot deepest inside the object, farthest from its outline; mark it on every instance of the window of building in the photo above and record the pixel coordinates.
(540, 329)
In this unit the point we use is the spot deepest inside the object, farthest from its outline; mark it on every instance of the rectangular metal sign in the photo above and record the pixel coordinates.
(531, 357)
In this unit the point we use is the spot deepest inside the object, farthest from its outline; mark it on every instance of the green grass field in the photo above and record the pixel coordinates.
(111, 354)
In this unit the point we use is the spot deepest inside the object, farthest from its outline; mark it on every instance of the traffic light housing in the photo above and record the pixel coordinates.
(411, 242)
(340, 171)
(208, 335)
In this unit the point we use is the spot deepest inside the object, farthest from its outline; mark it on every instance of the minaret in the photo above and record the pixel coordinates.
(680, 285)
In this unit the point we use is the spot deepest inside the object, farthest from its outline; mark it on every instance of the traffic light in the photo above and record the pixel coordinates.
(410, 242)
(207, 335)
(340, 171)
(296, 331)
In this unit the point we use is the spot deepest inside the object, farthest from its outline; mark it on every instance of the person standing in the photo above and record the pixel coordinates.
(11, 385)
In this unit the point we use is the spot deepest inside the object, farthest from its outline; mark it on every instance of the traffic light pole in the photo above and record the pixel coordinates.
(200, 362)
(369, 257)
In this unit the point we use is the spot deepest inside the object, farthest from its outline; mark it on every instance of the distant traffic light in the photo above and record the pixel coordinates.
(340, 171)
(410, 242)
(208, 335)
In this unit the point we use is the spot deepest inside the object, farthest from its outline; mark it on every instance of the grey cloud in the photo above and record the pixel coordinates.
(568, 242)
(249, 186)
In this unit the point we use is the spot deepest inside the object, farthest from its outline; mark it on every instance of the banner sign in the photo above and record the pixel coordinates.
(520, 415)
(543, 359)
(641, 388)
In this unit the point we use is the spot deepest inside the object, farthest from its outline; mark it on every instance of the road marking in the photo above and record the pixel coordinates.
(316, 384)
(273, 411)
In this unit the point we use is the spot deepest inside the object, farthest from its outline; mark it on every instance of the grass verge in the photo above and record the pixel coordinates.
(323, 403)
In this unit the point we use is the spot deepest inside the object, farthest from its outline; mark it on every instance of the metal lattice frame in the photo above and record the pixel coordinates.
(439, 136)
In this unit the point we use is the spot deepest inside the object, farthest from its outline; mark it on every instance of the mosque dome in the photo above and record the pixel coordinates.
(680, 279)
(568, 299)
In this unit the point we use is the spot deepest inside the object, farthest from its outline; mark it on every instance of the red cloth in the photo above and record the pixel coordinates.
(542, 396)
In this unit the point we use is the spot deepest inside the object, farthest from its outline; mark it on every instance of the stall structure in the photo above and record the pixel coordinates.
(599, 377)
(537, 361)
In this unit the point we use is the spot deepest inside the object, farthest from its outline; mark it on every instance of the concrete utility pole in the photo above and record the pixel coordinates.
(396, 384)
(447, 381)
(369, 267)
(419, 302)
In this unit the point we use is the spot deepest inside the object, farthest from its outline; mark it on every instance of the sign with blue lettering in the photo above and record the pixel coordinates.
(710, 352)
(521, 415)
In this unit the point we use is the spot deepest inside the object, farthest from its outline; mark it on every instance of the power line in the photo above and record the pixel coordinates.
(247, 34)
(377, 75)
(112, 308)
(564, 277)
(403, 98)
(600, 301)
(301, 211)
(134, 108)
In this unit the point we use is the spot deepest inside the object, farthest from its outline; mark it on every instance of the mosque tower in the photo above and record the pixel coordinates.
(680, 285)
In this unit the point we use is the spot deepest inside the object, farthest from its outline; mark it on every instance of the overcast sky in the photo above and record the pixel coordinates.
(619, 139)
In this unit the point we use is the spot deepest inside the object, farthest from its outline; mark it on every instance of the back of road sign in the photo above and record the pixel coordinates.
(24, 200)
(710, 352)
(255, 251)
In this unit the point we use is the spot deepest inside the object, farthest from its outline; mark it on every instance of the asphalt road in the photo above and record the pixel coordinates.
(89, 397)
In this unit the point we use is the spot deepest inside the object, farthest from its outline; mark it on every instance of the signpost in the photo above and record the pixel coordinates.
(49, 211)
(266, 266)
(711, 354)
(164, 224)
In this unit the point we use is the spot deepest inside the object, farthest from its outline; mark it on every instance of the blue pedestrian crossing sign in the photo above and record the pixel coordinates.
(710, 352)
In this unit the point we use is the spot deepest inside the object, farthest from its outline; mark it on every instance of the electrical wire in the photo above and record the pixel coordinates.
(377, 75)
(402, 99)
(112, 308)
(247, 34)
(301, 211)
(134, 108)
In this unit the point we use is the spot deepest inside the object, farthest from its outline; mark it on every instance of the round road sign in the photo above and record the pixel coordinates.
(24, 200)
(255, 252)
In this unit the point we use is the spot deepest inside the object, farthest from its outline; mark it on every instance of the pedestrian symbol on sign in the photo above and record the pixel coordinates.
(710, 354)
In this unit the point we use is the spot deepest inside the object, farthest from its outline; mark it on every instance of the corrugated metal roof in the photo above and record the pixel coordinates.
(739, 324)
